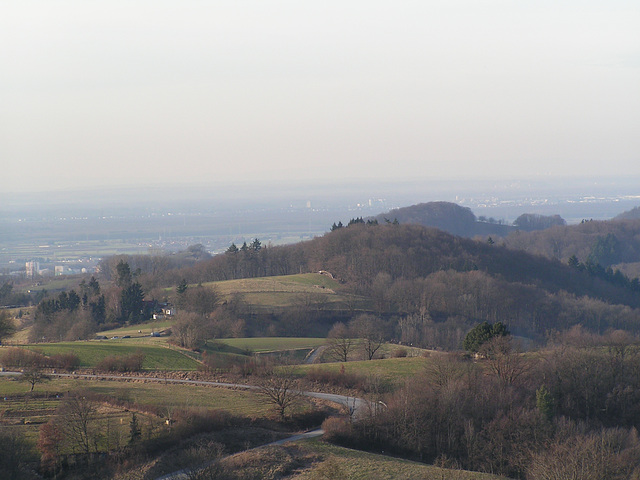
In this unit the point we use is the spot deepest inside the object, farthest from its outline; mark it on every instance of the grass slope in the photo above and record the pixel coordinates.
(387, 369)
(91, 353)
(320, 460)
(284, 291)
(271, 344)
(144, 329)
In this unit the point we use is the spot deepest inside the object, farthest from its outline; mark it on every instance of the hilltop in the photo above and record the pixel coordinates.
(610, 243)
(458, 220)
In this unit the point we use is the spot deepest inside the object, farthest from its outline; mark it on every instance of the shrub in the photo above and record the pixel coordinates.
(20, 357)
(339, 379)
(66, 361)
(609, 453)
(127, 363)
(199, 420)
(307, 419)
(337, 430)
(399, 352)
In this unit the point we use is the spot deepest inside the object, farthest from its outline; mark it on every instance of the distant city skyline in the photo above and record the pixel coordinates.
(159, 92)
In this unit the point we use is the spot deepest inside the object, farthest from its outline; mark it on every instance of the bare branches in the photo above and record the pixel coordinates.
(341, 342)
(279, 389)
(33, 375)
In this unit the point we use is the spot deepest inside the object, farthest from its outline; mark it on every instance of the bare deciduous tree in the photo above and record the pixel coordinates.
(369, 330)
(505, 361)
(280, 389)
(191, 330)
(33, 375)
(340, 342)
(76, 418)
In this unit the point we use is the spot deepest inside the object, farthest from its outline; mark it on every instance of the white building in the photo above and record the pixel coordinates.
(32, 269)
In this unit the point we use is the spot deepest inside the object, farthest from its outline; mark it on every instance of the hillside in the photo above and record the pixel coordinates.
(461, 221)
(609, 243)
(435, 284)
(633, 214)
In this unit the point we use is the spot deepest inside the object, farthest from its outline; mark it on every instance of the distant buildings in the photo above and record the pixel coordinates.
(32, 269)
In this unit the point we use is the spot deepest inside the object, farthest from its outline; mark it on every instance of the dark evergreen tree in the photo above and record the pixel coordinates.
(573, 262)
(134, 429)
(99, 309)
(94, 287)
(123, 274)
(132, 304)
(481, 334)
(182, 287)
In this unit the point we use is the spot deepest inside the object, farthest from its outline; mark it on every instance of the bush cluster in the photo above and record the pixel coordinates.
(340, 379)
(121, 363)
(23, 358)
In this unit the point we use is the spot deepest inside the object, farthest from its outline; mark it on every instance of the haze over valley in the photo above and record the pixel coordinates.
(76, 228)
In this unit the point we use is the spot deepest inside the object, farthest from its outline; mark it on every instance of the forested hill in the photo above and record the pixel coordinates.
(414, 270)
(608, 243)
(633, 214)
(446, 216)
(458, 220)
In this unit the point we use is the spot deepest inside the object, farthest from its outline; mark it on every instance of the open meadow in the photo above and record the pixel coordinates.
(156, 357)
(308, 289)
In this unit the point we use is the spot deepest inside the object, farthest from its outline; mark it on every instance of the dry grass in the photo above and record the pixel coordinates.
(388, 369)
(316, 460)
(285, 291)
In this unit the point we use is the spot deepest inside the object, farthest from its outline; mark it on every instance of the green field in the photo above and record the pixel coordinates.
(57, 284)
(305, 282)
(144, 328)
(91, 353)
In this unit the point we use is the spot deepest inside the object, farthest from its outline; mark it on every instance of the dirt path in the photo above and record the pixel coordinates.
(315, 354)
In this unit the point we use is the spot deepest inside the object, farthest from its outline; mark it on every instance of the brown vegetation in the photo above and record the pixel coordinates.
(122, 363)
(23, 358)
(493, 415)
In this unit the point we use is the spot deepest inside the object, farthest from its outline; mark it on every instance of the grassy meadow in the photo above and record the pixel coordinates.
(156, 357)
(389, 370)
(286, 291)
(139, 330)
(270, 344)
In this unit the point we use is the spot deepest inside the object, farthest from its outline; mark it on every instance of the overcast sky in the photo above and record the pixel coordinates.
(110, 92)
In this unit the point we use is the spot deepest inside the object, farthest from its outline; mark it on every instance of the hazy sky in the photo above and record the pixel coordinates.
(105, 92)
